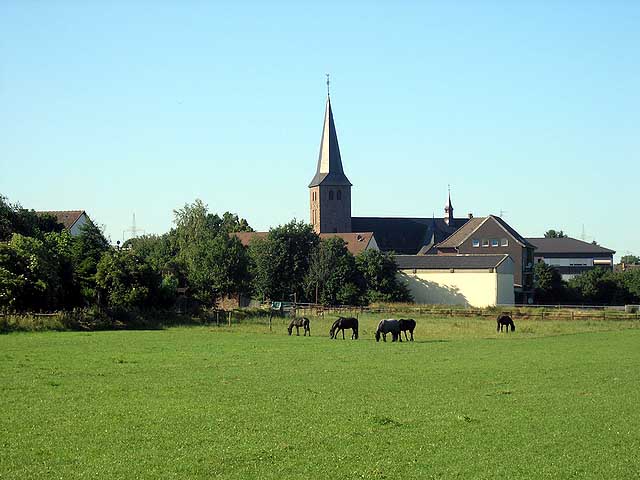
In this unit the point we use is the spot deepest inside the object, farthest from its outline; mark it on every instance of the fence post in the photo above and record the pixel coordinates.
(229, 317)
(571, 314)
(604, 314)
(542, 314)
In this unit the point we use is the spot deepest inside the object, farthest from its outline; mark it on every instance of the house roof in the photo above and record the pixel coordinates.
(329, 171)
(356, 242)
(443, 262)
(566, 246)
(246, 237)
(66, 217)
(406, 235)
(459, 236)
(469, 228)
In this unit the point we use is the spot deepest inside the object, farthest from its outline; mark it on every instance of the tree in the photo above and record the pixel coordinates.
(549, 287)
(630, 259)
(36, 274)
(86, 251)
(214, 262)
(280, 262)
(126, 280)
(28, 223)
(333, 272)
(379, 271)
(555, 234)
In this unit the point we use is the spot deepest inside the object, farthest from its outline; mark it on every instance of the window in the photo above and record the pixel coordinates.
(330, 194)
(475, 242)
(313, 196)
(494, 242)
(339, 195)
(485, 242)
(504, 242)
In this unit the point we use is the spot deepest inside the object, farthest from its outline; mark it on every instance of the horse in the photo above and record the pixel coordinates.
(343, 323)
(505, 320)
(299, 322)
(407, 324)
(390, 325)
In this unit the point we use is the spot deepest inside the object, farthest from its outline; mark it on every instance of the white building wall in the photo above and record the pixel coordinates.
(476, 288)
(76, 228)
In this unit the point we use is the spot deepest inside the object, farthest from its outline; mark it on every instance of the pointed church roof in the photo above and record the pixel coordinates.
(329, 170)
(448, 208)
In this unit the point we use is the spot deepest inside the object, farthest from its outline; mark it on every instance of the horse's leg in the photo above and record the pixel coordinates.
(343, 333)
(297, 331)
(411, 335)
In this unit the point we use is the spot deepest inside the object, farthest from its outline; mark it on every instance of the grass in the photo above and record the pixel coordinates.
(553, 400)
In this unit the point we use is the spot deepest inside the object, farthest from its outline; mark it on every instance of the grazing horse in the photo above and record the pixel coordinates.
(389, 325)
(343, 323)
(407, 324)
(299, 322)
(505, 320)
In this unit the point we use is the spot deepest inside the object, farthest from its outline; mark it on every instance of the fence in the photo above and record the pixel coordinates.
(542, 312)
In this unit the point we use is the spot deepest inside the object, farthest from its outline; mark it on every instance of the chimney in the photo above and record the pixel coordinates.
(470, 215)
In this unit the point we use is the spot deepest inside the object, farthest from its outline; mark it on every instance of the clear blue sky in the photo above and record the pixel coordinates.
(532, 108)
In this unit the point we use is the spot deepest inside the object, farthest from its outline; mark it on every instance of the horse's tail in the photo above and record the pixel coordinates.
(513, 326)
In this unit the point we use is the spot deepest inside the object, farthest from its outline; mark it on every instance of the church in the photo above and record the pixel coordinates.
(471, 261)
(330, 206)
(443, 260)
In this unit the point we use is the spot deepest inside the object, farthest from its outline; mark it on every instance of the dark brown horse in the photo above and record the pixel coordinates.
(505, 320)
(343, 323)
(299, 322)
(407, 324)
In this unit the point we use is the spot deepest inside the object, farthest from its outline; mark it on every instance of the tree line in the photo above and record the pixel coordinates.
(44, 268)
(598, 286)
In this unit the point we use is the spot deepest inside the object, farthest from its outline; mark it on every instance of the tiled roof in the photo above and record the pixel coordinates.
(406, 235)
(356, 242)
(246, 237)
(566, 246)
(65, 217)
(462, 234)
(443, 262)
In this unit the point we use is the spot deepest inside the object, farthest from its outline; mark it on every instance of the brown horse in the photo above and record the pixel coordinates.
(299, 322)
(505, 320)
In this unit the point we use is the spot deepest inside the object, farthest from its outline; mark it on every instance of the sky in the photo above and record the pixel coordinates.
(529, 109)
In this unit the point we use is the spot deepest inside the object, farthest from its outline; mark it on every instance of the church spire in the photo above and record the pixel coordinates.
(448, 210)
(329, 170)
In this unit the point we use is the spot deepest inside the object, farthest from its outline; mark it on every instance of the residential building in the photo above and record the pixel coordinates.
(73, 220)
(570, 256)
(492, 235)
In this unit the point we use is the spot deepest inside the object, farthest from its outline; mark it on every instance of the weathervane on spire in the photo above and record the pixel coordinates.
(327, 84)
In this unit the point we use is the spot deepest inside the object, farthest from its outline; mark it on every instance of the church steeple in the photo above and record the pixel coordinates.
(448, 210)
(329, 171)
(330, 189)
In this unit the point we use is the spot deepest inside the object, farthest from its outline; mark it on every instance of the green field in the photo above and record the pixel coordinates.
(553, 400)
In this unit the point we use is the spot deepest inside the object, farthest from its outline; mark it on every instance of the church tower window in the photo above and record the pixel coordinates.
(330, 194)
(339, 195)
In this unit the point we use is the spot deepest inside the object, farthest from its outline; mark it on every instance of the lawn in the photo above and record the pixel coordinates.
(552, 400)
